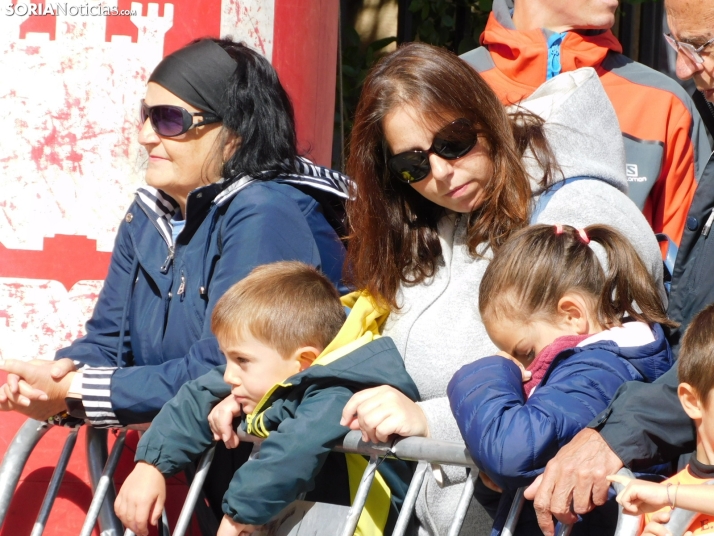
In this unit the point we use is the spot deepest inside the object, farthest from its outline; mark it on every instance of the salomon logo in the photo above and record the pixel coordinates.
(633, 174)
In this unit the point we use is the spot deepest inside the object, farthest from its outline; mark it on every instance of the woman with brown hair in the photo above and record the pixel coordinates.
(443, 176)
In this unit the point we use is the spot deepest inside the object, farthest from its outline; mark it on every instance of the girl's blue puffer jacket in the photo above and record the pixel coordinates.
(150, 330)
(510, 438)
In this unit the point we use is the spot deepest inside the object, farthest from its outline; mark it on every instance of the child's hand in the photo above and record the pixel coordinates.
(656, 526)
(382, 411)
(525, 374)
(639, 496)
(233, 528)
(221, 421)
(141, 498)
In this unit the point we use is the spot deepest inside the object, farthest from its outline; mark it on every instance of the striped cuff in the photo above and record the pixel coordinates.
(96, 396)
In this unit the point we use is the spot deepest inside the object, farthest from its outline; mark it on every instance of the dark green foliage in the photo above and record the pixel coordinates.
(356, 62)
(454, 24)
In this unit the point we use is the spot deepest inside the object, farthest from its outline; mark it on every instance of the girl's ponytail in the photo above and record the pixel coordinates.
(628, 289)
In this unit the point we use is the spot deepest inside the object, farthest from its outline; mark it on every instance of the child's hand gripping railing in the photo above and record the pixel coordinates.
(628, 525)
(680, 519)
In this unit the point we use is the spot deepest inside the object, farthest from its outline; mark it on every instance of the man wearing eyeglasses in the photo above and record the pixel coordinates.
(645, 423)
(527, 42)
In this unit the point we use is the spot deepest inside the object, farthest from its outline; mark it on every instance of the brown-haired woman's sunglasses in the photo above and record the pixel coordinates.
(451, 142)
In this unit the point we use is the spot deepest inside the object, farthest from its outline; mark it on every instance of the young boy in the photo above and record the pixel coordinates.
(685, 489)
(291, 367)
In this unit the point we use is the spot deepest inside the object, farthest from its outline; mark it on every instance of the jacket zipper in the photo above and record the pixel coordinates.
(182, 286)
(170, 257)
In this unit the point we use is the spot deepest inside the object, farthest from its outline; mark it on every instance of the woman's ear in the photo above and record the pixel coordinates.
(573, 311)
(690, 401)
(231, 146)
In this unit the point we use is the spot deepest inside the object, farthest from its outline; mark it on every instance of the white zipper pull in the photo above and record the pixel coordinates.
(182, 286)
(708, 224)
(170, 257)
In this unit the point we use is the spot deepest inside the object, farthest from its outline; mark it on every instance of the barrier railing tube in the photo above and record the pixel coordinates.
(55, 481)
(15, 459)
(103, 486)
(410, 499)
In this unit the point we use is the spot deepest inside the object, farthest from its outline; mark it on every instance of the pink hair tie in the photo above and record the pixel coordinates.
(583, 236)
(558, 229)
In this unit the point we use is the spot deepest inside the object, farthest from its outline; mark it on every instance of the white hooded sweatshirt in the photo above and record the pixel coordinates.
(439, 329)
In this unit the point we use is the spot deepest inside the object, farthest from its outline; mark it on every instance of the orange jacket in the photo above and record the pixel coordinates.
(702, 524)
(664, 136)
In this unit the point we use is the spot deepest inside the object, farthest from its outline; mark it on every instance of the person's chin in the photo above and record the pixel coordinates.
(155, 179)
(708, 93)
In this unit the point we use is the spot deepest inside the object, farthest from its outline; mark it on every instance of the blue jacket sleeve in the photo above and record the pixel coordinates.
(180, 433)
(289, 459)
(511, 439)
(260, 228)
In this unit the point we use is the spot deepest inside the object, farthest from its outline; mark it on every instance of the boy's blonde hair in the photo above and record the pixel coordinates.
(696, 356)
(285, 305)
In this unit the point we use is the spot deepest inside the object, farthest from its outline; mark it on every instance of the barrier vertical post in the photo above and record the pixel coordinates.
(463, 506)
(103, 486)
(53, 488)
(15, 459)
(410, 500)
(360, 497)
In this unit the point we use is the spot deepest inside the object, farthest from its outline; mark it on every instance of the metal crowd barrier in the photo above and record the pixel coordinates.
(423, 451)
(100, 474)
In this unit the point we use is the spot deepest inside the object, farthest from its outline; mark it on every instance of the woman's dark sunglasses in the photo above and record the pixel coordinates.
(169, 121)
(451, 142)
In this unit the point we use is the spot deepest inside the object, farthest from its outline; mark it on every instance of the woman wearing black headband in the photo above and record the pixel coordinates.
(226, 191)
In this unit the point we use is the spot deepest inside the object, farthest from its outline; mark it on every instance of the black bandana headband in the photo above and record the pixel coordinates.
(198, 74)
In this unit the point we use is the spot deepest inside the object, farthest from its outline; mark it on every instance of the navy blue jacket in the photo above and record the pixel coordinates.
(151, 325)
(511, 439)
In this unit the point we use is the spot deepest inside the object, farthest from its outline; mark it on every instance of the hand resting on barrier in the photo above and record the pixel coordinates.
(643, 497)
(383, 411)
(574, 481)
(36, 388)
(640, 496)
(141, 498)
(141, 501)
(221, 421)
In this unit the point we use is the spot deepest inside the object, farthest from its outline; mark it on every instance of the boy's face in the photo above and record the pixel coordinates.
(253, 368)
(707, 427)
